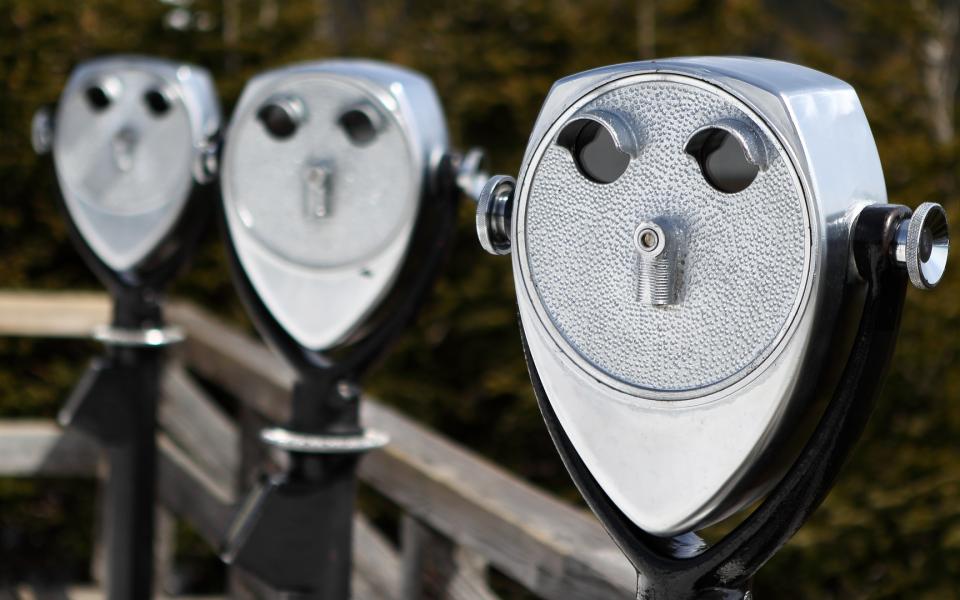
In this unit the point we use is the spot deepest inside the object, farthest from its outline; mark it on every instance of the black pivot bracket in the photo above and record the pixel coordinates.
(295, 530)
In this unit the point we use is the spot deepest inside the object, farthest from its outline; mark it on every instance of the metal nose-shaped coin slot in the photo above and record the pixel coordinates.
(317, 184)
(730, 153)
(123, 148)
(101, 94)
(601, 142)
(657, 243)
(361, 123)
(922, 245)
(281, 116)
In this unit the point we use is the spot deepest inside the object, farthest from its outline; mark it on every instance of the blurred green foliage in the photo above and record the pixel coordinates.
(890, 529)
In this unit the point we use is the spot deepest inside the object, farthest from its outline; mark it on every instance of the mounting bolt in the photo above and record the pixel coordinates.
(494, 213)
(923, 241)
(470, 175)
(207, 164)
(41, 130)
(656, 244)
(317, 183)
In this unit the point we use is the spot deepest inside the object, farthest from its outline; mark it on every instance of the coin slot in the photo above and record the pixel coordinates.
(594, 150)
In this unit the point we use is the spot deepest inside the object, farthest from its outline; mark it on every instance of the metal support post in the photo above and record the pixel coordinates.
(116, 402)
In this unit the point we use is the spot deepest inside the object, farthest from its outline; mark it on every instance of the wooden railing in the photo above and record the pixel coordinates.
(461, 515)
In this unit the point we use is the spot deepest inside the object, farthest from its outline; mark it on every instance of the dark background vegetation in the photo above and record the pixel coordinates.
(890, 529)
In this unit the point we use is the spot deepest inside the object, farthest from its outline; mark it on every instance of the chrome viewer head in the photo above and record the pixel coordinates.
(325, 166)
(680, 235)
(131, 137)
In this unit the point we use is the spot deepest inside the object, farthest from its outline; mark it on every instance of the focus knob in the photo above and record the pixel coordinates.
(923, 241)
(494, 212)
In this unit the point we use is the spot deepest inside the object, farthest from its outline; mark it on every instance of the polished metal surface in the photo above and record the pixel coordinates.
(129, 138)
(324, 168)
(923, 243)
(686, 413)
(746, 255)
(293, 441)
(151, 338)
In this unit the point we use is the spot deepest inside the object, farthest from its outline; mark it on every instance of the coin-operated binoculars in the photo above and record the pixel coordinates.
(339, 198)
(710, 283)
(133, 148)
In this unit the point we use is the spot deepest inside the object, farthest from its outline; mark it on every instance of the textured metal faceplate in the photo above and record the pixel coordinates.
(373, 188)
(159, 169)
(125, 173)
(321, 275)
(745, 260)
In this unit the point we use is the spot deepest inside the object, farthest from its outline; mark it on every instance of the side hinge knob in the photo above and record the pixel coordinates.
(494, 214)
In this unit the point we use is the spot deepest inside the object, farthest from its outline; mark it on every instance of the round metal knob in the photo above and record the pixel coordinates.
(494, 212)
(41, 131)
(923, 241)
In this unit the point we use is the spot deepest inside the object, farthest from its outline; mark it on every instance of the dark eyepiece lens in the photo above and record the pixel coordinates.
(157, 102)
(277, 120)
(723, 161)
(359, 127)
(594, 151)
(98, 98)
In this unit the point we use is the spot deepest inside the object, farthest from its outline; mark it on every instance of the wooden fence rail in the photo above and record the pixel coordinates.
(461, 513)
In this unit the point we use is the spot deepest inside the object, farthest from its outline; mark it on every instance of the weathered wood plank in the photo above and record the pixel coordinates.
(222, 354)
(43, 592)
(41, 448)
(435, 567)
(27, 592)
(192, 419)
(553, 549)
(191, 494)
(52, 314)
(31, 448)
(164, 548)
(378, 564)
(35, 448)
(210, 438)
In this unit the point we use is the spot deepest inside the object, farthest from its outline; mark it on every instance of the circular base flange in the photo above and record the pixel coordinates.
(306, 443)
(151, 337)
